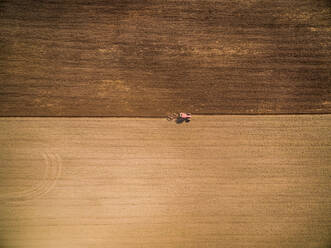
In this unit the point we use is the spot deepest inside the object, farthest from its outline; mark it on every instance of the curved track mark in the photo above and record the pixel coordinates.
(52, 173)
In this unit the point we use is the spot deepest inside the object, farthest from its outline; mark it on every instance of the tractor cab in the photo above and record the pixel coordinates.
(185, 115)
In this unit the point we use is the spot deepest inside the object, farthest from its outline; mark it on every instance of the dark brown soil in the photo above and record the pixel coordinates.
(148, 58)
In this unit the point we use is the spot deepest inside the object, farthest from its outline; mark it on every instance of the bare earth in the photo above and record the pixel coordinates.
(230, 181)
(146, 57)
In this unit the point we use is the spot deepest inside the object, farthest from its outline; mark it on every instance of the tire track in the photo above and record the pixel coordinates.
(52, 172)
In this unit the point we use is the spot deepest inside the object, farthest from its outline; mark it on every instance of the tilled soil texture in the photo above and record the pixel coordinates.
(230, 181)
(148, 58)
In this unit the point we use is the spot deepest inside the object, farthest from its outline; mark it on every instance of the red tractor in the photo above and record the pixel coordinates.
(181, 117)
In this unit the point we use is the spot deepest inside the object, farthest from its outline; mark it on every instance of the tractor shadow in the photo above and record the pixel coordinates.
(180, 120)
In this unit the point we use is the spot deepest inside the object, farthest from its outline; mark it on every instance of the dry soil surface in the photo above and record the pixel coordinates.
(230, 181)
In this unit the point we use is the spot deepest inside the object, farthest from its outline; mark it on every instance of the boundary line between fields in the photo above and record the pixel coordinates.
(159, 117)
